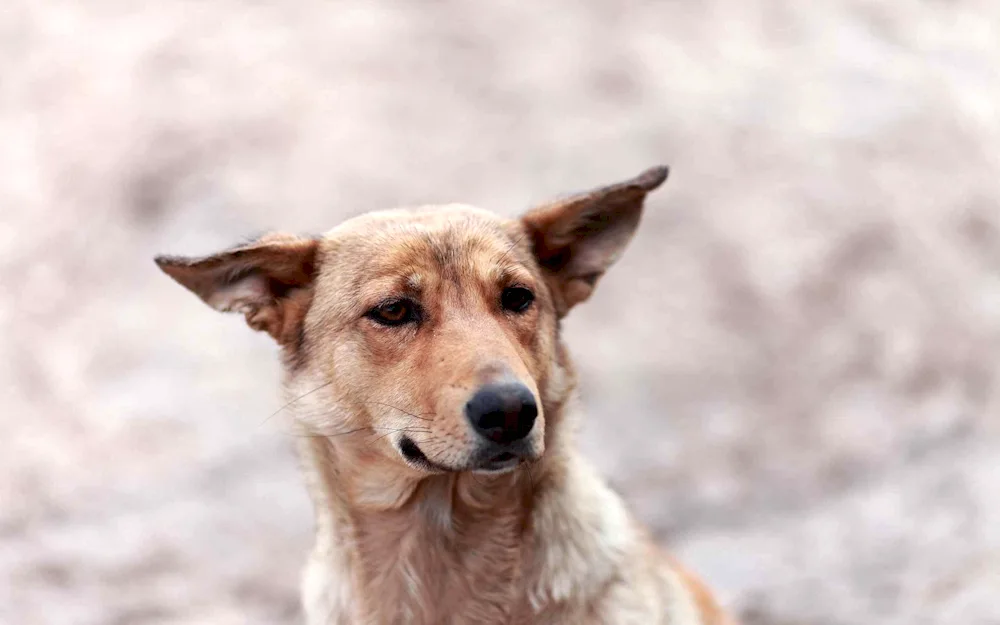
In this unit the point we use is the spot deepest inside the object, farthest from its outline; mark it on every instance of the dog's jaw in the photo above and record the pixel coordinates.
(391, 548)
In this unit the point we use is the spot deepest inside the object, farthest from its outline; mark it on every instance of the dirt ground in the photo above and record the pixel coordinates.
(791, 375)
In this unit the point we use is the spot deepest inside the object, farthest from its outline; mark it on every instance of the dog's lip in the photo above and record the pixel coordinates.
(498, 462)
(412, 454)
(497, 456)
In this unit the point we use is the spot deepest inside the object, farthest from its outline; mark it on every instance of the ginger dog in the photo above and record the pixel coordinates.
(425, 371)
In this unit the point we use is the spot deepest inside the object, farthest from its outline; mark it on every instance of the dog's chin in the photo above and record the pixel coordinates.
(501, 463)
(487, 462)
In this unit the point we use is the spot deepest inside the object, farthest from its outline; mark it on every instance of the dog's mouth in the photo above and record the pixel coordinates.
(413, 455)
(497, 463)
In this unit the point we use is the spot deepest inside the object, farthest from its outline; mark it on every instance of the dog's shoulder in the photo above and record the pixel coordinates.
(591, 553)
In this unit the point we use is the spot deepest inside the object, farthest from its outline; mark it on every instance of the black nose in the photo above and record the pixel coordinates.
(503, 412)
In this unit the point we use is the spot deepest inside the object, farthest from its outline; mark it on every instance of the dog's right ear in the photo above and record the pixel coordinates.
(269, 281)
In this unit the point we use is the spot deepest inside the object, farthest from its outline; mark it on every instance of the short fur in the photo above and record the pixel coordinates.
(442, 535)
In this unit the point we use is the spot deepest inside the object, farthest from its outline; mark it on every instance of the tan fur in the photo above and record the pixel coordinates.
(440, 537)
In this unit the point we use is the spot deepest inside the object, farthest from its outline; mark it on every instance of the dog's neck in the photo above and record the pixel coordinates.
(433, 549)
(420, 545)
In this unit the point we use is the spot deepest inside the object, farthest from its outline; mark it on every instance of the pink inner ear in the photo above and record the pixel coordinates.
(244, 295)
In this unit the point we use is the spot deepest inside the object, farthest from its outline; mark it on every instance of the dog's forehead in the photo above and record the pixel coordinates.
(441, 225)
(391, 241)
(431, 217)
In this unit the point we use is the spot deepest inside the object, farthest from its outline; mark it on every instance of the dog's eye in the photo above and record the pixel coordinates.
(516, 299)
(394, 313)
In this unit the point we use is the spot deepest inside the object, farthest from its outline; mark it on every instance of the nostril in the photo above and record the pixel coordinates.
(529, 410)
(503, 413)
(526, 417)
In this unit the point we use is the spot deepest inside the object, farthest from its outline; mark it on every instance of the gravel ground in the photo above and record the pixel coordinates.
(792, 374)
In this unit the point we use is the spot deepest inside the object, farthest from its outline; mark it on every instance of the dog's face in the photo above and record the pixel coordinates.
(429, 336)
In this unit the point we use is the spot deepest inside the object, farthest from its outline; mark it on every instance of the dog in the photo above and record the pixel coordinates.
(426, 376)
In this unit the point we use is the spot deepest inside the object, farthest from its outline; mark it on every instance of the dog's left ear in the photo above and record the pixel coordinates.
(575, 240)
(269, 281)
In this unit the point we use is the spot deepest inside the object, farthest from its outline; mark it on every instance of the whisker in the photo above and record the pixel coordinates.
(378, 403)
(295, 400)
(315, 434)
(514, 244)
(332, 435)
(378, 438)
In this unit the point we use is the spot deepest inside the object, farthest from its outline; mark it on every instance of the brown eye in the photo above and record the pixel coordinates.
(394, 313)
(516, 299)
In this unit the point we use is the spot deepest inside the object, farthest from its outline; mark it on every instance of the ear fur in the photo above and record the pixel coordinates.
(269, 281)
(576, 239)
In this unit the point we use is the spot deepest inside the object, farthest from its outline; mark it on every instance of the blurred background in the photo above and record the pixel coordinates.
(791, 375)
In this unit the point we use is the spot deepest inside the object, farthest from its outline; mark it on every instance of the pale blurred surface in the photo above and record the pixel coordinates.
(791, 375)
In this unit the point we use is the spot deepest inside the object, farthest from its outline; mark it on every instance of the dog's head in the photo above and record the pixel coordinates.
(431, 334)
